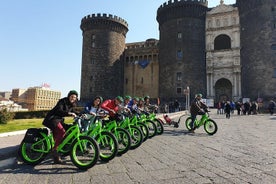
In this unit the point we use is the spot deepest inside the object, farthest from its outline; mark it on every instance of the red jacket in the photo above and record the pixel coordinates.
(109, 105)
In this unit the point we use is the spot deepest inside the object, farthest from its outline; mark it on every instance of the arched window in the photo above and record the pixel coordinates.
(222, 42)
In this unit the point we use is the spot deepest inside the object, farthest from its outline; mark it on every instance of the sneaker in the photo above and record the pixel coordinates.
(192, 131)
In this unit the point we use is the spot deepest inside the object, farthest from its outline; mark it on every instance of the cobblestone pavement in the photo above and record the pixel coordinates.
(242, 151)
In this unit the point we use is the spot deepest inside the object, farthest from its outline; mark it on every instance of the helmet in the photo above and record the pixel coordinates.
(146, 97)
(136, 99)
(119, 98)
(99, 97)
(141, 99)
(199, 95)
(73, 92)
(127, 97)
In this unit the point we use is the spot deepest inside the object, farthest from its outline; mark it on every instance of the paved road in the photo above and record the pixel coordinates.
(242, 151)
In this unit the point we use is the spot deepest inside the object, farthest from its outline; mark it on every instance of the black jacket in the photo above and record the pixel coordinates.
(196, 106)
(57, 114)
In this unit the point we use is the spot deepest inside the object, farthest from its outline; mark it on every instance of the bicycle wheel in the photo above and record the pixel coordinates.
(188, 123)
(210, 127)
(159, 126)
(84, 152)
(152, 128)
(136, 137)
(144, 129)
(108, 145)
(124, 140)
(33, 153)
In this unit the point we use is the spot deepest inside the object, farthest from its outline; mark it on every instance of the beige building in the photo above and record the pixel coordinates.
(223, 67)
(141, 74)
(36, 98)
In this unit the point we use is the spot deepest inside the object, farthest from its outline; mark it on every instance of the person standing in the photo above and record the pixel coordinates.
(227, 109)
(271, 107)
(55, 120)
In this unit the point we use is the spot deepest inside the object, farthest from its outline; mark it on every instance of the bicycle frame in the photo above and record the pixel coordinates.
(202, 120)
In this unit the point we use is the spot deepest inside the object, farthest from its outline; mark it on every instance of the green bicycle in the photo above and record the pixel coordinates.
(210, 126)
(122, 136)
(38, 142)
(92, 126)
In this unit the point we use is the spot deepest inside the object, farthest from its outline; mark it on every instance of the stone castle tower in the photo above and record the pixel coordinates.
(190, 52)
(258, 47)
(182, 47)
(102, 50)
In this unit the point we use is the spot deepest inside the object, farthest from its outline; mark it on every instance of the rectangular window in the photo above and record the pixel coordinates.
(178, 90)
(126, 80)
(179, 54)
(274, 73)
(179, 35)
(178, 76)
(93, 44)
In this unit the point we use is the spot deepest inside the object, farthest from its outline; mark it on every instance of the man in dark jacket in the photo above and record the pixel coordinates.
(55, 117)
(197, 108)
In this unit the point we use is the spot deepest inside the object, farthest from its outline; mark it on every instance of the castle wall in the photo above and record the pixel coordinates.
(103, 47)
(258, 35)
(182, 48)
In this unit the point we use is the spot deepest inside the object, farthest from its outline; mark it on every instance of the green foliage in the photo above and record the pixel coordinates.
(5, 116)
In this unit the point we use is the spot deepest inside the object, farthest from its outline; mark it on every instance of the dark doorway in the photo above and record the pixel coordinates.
(223, 90)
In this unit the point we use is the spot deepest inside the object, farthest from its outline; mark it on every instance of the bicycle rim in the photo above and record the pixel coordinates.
(108, 146)
(210, 127)
(32, 153)
(84, 153)
(124, 140)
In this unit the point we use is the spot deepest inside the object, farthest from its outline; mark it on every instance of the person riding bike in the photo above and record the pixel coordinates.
(55, 120)
(90, 112)
(149, 108)
(197, 108)
(112, 106)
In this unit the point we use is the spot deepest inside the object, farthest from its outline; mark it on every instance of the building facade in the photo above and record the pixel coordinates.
(225, 52)
(36, 98)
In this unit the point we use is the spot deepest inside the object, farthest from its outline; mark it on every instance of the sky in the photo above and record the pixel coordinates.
(41, 40)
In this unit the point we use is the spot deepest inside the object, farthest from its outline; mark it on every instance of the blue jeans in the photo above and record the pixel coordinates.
(193, 116)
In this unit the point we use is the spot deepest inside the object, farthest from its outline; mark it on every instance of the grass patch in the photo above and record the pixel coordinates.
(23, 124)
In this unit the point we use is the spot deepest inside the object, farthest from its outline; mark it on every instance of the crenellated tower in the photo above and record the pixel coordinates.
(182, 47)
(258, 47)
(102, 66)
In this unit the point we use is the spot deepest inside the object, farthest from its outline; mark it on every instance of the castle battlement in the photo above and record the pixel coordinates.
(174, 9)
(104, 16)
(176, 2)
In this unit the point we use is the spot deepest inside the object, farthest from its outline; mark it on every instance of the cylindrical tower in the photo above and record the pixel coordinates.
(258, 48)
(103, 46)
(182, 47)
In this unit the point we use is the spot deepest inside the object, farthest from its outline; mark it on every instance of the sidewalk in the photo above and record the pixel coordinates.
(10, 141)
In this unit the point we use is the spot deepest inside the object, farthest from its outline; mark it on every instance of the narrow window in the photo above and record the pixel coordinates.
(179, 35)
(178, 90)
(179, 54)
(274, 73)
(178, 76)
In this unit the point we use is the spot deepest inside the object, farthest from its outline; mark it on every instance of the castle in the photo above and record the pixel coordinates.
(226, 53)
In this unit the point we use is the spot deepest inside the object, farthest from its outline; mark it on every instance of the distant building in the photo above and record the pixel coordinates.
(10, 105)
(36, 98)
(5, 94)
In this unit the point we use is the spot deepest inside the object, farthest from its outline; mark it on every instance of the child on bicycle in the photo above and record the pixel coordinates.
(55, 120)
(197, 108)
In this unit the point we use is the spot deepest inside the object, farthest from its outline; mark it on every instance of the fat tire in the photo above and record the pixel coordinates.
(75, 149)
(27, 154)
(112, 142)
(213, 123)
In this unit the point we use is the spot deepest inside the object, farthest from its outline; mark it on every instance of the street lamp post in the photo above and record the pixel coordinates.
(187, 94)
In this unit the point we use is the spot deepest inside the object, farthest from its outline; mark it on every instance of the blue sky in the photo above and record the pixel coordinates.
(41, 40)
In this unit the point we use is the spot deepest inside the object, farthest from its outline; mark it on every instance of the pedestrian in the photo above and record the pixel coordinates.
(238, 107)
(55, 120)
(227, 109)
(271, 107)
